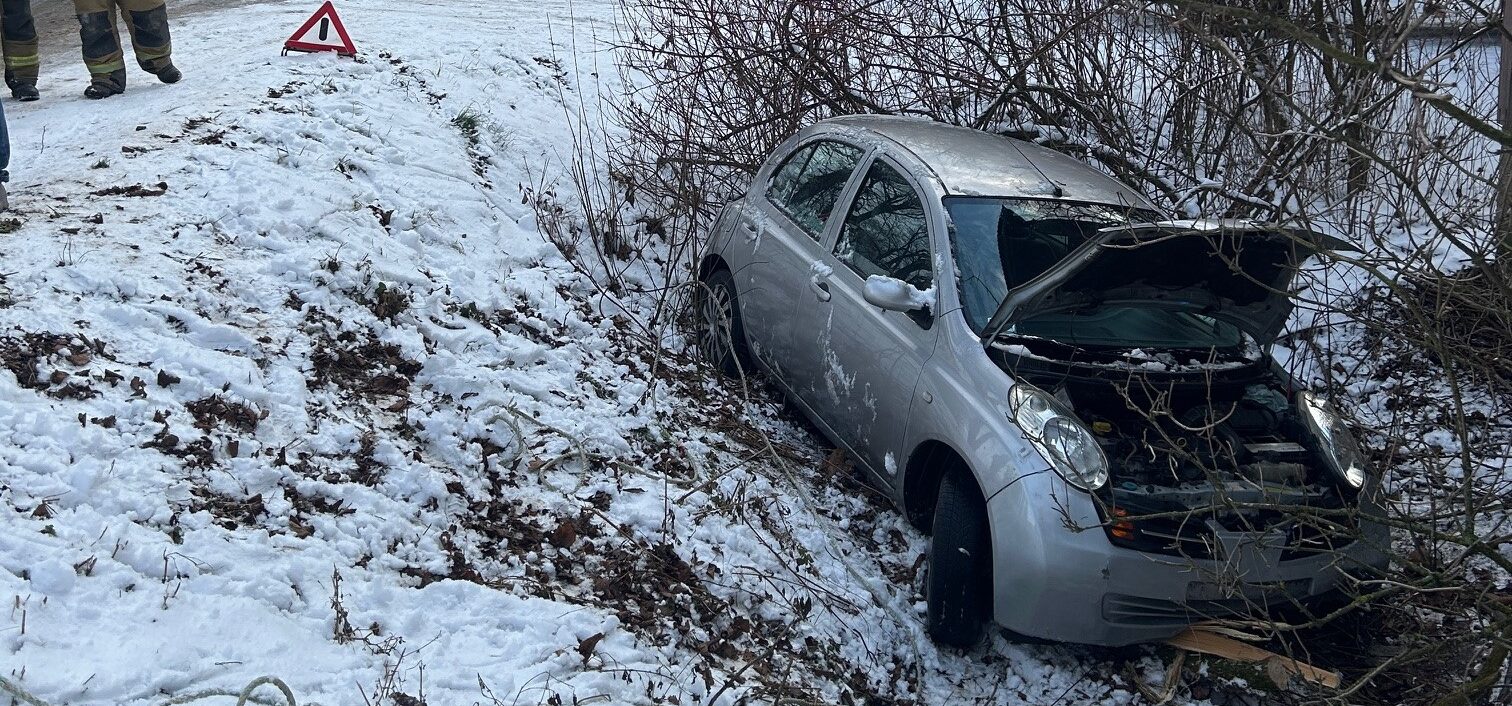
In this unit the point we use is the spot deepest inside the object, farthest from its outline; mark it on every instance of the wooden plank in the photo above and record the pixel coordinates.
(1202, 641)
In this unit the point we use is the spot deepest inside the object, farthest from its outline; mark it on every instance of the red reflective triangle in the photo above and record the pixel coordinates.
(323, 32)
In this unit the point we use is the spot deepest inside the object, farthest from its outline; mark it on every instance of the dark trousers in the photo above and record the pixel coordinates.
(146, 20)
(4, 147)
(18, 37)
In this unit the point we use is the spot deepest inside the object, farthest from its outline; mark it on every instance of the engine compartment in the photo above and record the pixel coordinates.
(1196, 449)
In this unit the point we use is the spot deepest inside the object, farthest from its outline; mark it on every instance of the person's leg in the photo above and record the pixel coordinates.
(147, 21)
(18, 34)
(102, 48)
(4, 159)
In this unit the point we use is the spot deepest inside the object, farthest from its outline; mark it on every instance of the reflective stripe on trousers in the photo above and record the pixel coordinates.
(147, 22)
(18, 39)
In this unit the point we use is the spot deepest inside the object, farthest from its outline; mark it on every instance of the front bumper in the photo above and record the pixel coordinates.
(1056, 583)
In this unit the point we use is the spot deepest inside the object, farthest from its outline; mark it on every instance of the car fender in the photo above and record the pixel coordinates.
(717, 247)
(961, 400)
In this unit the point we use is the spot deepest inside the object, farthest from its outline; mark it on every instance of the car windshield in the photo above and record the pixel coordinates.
(1000, 244)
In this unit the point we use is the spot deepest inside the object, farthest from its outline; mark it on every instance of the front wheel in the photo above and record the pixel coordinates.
(959, 587)
(721, 335)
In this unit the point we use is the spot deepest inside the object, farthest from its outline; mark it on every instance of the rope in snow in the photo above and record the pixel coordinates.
(20, 693)
(243, 697)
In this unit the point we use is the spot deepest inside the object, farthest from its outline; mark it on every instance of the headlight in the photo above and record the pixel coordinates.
(1059, 437)
(1341, 451)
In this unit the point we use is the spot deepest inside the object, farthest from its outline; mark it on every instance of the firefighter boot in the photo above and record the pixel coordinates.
(18, 35)
(169, 74)
(22, 89)
(106, 85)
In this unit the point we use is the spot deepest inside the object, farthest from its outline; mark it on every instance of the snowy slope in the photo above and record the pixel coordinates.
(290, 384)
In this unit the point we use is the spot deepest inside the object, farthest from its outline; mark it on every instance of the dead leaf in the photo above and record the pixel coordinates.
(586, 647)
(565, 534)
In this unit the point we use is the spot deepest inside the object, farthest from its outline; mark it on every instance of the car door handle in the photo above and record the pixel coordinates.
(820, 287)
(750, 231)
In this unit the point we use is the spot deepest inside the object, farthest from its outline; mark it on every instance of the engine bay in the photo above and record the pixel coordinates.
(1174, 434)
(1199, 449)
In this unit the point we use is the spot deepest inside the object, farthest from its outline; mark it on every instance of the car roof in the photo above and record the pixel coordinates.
(975, 163)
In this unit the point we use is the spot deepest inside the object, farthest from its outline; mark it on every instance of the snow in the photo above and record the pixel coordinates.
(921, 298)
(332, 407)
(1140, 359)
(897, 289)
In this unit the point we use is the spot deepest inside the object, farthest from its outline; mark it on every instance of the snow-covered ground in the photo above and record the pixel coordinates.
(291, 384)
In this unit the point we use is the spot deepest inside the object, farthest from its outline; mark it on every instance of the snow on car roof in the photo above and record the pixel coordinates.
(976, 163)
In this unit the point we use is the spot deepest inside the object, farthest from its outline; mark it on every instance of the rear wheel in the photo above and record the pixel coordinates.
(721, 336)
(959, 586)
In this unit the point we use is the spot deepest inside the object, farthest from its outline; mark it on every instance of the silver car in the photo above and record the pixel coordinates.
(1070, 393)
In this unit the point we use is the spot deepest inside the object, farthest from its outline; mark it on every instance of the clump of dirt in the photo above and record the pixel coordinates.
(519, 320)
(284, 90)
(215, 412)
(646, 585)
(137, 190)
(23, 355)
(385, 216)
(228, 512)
(306, 506)
(196, 454)
(217, 137)
(362, 365)
(388, 302)
(368, 471)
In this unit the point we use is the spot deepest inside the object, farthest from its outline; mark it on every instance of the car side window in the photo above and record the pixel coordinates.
(809, 183)
(886, 232)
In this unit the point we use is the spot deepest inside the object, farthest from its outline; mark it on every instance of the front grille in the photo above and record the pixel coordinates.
(1193, 537)
(1308, 538)
(1252, 601)
(1188, 537)
(1120, 609)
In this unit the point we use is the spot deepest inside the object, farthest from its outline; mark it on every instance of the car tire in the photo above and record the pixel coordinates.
(721, 334)
(959, 585)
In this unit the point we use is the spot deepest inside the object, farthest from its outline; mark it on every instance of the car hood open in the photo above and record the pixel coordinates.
(1236, 271)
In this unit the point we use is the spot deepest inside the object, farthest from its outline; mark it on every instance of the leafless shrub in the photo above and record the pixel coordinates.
(1367, 120)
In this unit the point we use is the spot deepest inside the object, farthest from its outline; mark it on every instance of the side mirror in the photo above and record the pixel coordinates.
(895, 295)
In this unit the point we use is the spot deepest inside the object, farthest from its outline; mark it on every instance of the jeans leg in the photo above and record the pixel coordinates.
(4, 146)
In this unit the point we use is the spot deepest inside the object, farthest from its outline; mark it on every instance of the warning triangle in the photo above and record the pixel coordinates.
(323, 32)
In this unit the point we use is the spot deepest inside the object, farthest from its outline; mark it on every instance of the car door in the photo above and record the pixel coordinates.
(865, 361)
(783, 227)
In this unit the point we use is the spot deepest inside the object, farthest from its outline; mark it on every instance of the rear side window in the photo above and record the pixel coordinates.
(809, 183)
(886, 232)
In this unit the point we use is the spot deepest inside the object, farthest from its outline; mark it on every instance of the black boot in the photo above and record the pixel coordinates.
(169, 74)
(24, 91)
(106, 85)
